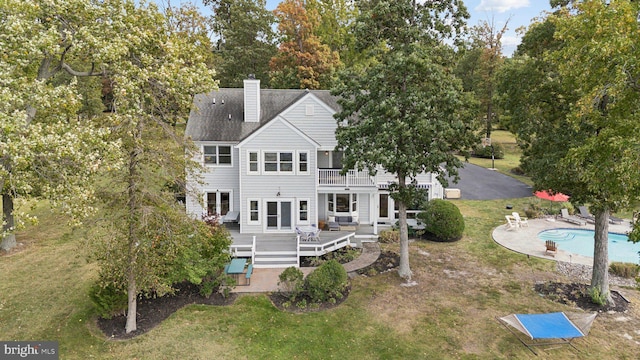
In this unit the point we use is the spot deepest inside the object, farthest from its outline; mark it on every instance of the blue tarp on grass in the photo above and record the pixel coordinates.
(549, 326)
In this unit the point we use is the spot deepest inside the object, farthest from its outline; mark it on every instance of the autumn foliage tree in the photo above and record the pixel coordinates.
(302, 61)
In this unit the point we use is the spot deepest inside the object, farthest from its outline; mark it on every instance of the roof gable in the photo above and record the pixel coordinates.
(219, 114)
(277, 120)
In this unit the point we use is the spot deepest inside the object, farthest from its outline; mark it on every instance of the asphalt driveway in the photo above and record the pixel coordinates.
(478, 183)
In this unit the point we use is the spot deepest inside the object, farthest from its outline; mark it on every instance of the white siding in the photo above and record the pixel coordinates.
(214, 178)
(277, 137)
(322, 207)
(321, 126)
(251, 100)
(363, 208)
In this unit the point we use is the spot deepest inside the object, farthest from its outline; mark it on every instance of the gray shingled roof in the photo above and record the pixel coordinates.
(210, 121)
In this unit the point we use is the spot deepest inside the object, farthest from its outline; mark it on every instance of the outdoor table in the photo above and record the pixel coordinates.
(308, 231)
(236, 267)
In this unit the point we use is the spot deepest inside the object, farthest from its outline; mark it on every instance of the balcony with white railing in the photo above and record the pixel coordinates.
(353, 178)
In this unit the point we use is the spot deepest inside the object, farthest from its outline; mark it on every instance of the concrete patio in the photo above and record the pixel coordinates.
(525, 239)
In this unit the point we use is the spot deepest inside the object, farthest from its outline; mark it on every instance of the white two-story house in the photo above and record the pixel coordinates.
(269, 159)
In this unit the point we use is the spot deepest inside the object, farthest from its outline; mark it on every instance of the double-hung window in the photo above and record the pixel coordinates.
(303, 211)
(254, 163)
(254, 212)
(281, 162)
(303, 162)
(217, 154)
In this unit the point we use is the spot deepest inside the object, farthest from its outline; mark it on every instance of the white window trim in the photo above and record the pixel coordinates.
(335, 204)
(259, 171)
(217, 164)
(279, 172)
(254, 222)
(298, 220)
(217, 191)
(297, 162)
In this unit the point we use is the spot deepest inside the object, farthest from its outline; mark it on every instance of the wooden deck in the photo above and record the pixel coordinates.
(284, 250)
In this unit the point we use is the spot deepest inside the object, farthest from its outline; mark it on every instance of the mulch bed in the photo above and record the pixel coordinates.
(387, 261)
(576, 294)
(152, 311)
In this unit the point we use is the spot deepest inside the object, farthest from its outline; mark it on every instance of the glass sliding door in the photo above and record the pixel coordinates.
(279, 215)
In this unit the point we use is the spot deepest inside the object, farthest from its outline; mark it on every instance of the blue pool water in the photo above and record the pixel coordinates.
(580, 241)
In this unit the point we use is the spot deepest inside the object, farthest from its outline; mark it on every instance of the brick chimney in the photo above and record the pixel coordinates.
(252, 99)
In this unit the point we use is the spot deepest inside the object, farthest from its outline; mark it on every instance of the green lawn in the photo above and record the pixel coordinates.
(450, 313)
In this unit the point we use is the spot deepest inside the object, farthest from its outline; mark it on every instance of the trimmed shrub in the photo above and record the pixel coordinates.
(326, 282)
(485, 151)
(443, 221)
(534, 211)
(291, 282)
(625, 270)
(109, 300)
(389, 236)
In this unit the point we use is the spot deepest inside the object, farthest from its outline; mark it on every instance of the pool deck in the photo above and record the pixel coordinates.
(525, 239)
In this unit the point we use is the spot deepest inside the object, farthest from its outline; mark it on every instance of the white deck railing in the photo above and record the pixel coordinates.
(332, 177)
(244, 250)
(312, 249)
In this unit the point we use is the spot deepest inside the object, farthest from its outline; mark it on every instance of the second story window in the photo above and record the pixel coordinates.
(303, 162)
(278, 162)
(217, 155)
(253, 162)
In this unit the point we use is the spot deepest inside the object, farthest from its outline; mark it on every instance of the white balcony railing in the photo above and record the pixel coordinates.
(353, 178)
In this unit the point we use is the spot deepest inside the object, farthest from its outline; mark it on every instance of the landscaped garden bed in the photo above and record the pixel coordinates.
(153, 310)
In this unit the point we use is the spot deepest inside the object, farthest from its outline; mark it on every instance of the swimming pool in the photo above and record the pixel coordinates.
(580, 241)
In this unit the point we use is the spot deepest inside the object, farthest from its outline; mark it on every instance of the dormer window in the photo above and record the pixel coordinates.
(217, 155)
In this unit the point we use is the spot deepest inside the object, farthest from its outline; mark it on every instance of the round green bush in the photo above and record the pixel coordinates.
(443, 221)
(326, 282)
(291, 282)
(485, 152)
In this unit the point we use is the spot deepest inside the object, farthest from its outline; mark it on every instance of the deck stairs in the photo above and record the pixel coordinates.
(275, 253)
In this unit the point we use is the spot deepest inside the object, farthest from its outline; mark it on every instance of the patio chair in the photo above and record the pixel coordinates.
(564, 215)
(315, 236)
(521, 221)
(303, 236)
(615, 220)
(551, 247)
(511, 222)
(585, 214)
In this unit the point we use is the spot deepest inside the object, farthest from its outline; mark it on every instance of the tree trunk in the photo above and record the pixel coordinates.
(404, 271)
(9, 240)
(600, 275)
(132, 318)
(133, 205)
(489, 118)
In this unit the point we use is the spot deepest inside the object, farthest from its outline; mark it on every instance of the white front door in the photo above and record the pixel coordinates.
(279, 215)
